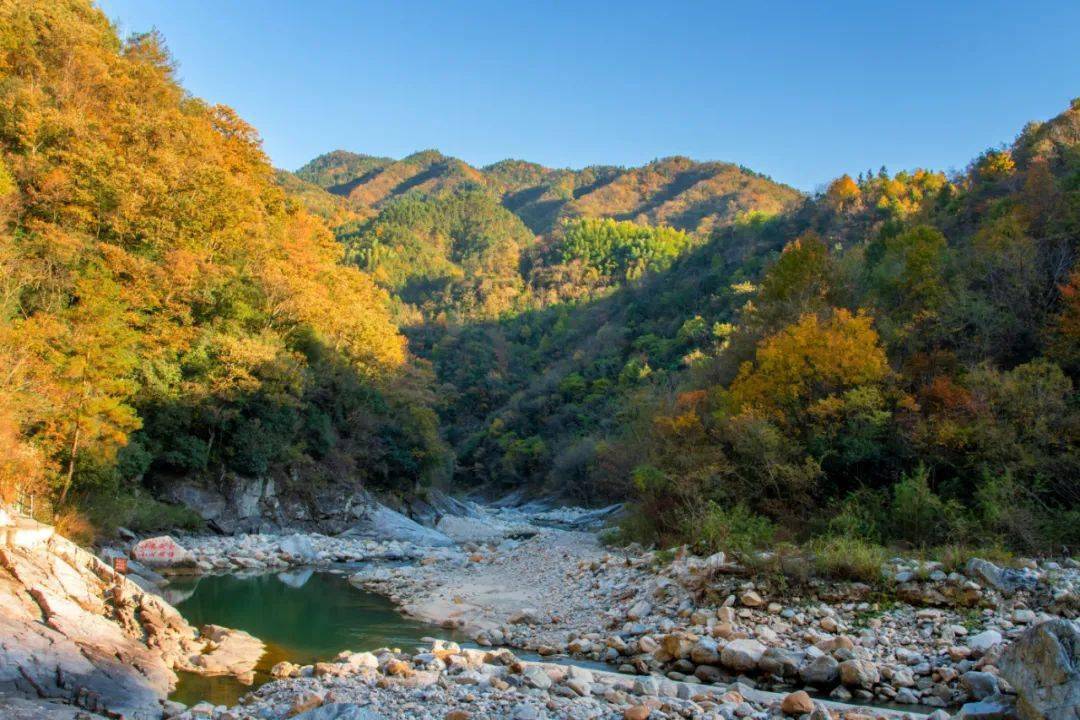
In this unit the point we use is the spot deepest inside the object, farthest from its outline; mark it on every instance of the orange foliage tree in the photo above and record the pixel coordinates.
(809, 363)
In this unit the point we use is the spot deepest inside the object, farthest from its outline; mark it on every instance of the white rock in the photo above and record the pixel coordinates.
(984, 640)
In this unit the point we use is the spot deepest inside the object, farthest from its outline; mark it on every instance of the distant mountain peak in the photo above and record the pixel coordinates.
(675, 190)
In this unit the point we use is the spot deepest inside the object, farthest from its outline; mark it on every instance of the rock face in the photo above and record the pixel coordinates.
(73, 630)
(1043, 666)
(238, 504)
(435, 504)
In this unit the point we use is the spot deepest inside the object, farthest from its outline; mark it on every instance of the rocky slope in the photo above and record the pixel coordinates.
(73, 630)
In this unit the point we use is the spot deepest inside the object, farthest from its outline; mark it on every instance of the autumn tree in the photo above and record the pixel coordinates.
(843, 193)
(88, 352)
(808, 364)
(799, 282)
(1065, 332)
(173, 308)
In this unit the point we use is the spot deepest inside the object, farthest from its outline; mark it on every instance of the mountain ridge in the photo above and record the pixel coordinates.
(690, 195)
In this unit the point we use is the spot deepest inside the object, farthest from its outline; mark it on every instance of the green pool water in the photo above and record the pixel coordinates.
(302, 616)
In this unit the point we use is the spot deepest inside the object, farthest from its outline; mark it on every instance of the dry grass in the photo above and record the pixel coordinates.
(75, 526)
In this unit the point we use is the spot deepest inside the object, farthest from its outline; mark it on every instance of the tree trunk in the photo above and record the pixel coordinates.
(71, 465)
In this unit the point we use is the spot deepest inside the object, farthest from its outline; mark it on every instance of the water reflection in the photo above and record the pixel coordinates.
(296, 578)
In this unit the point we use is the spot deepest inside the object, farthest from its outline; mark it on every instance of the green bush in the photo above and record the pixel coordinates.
(1010, 510)
(955, 557)
(861, 514)
(734, 529)
(918, 516)
(634, 527)
(845, 558)
(136, 511)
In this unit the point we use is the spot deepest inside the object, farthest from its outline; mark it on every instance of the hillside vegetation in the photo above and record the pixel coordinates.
(893, 360)
(673, 191)
(165, 309)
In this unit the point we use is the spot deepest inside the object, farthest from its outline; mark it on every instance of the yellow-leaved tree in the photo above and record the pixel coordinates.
(166, 308)
(810, 362)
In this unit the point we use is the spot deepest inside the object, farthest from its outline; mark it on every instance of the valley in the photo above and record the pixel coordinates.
(414, 437)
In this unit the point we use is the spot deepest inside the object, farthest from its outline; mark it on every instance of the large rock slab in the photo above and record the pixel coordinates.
(436, 504)
(481, 529)
(1043, 666)
(70, 629)
(1005, 580)
(232, 652)
(74, 631)
(299, 547)
(379, 522)
(17, 708)
(24, 533)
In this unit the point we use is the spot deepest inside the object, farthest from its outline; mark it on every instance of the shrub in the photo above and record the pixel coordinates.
(106, 511)
(1009, 509)
(571, 470)
(846, 558)
(955, 557)
(636, 526)
(861, 514)
(918, 516)
(75, 526)
(734, 529)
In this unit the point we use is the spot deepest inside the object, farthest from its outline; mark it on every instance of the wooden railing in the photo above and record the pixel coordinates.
(32, 506)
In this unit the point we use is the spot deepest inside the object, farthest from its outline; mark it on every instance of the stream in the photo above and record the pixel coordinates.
(303, 616)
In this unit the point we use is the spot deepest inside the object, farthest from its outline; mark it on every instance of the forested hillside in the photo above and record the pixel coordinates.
(539, 341)
(674, 191)
(165, 309)
(891, 361)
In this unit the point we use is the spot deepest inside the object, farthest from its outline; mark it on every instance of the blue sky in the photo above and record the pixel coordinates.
(803, 91)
